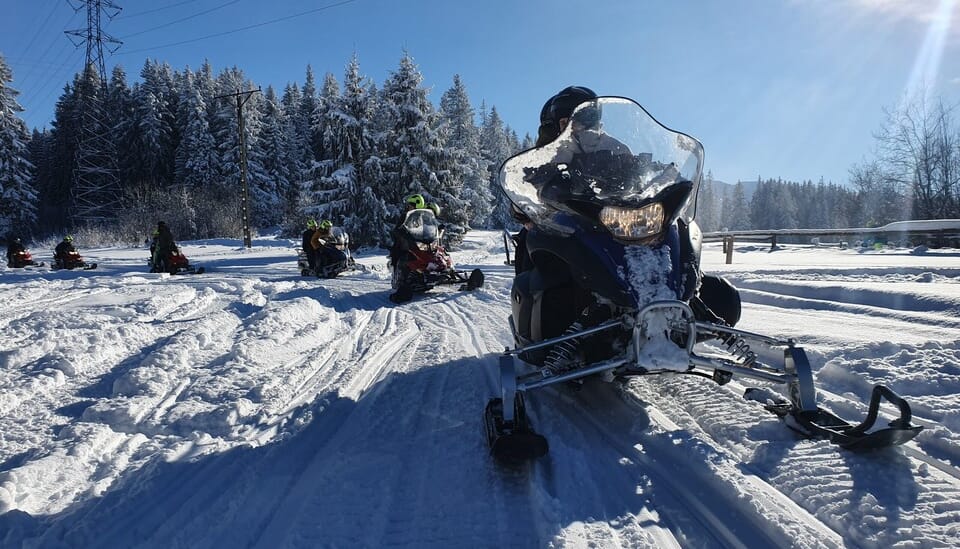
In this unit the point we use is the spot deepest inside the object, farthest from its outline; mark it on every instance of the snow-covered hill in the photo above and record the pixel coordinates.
(251, 407)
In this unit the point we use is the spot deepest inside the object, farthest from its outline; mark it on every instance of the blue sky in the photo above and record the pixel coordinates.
(776, 88)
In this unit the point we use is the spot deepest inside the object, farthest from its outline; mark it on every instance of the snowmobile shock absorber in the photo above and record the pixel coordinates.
(562, 354)
(739, 348)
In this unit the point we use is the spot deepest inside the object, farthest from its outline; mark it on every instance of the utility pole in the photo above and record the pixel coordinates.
(96, 185)
(241, 99)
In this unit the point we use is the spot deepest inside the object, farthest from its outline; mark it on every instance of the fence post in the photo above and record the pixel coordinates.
(728, 248)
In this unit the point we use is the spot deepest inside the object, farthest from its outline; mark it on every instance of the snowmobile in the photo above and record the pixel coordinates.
(616, 289)
(425, 262)
(23, 259)
(174, 263)
(72, 260)
(338, 247)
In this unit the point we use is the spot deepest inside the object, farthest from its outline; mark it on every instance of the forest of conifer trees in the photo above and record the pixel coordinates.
(348, 150)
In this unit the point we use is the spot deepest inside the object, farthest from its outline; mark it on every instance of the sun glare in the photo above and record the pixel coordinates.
(926, 67)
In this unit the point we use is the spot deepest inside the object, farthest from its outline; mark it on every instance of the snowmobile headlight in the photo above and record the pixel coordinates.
(633, 223)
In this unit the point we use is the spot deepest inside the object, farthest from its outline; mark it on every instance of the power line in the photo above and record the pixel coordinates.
(248, 27)
(41, 27)
(132, 15)
(181, 20)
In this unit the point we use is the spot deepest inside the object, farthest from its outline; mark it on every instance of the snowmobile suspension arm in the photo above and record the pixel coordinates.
(747, 372)
(554, 340)
(710, 327)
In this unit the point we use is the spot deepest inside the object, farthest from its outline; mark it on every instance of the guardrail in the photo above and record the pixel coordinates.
(934, 230)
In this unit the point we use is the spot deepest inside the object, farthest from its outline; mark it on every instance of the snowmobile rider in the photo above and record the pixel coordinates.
(435, 208)
(306, 243)
(165, 245)
(318, 243)
(64, 248)
(554, 118)
(400, 242)
(14, 247)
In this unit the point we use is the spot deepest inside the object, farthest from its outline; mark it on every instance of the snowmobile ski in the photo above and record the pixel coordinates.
(822, 423)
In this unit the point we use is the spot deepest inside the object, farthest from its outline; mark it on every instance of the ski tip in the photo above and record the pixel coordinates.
(520, 447)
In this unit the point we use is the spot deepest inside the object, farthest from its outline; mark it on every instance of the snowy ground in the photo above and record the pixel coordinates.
(251, 407)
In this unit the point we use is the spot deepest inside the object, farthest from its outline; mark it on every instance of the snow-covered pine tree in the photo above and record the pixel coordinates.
(736, 212)
(303, 120)
(462, 139)
(269, 155)
(196, 156)
(54, 190)
(414, 160)
(324, 118)
(298, 149)
(150, 99)
(708, 205)
(18, 210)
(495, 148)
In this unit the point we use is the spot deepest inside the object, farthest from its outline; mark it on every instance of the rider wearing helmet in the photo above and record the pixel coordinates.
(64, 248)
(14, 246)
(555, 114)
(318, 242)
(554, 117)
(306, 242)
(165, 246)
(414, 202)
(400, 243)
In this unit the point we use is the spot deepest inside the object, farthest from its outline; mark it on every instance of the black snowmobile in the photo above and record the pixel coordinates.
(334, 259)
(616, 289)
(422, 262)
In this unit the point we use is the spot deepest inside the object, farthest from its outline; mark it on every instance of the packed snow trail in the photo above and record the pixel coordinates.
(252, 407)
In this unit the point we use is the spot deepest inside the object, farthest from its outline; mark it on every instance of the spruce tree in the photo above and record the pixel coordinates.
(18, 212)
(414, 159)
(461, 138)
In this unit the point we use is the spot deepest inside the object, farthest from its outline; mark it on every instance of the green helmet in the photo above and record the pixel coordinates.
(415, 200)
(435, 207)
(68, 238)
(312, 223)
(325, 224)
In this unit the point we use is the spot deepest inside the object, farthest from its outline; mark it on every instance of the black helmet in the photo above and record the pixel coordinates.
(560, 106)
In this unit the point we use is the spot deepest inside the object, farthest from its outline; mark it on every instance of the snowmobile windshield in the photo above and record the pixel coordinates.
(612, 156)
(339, 236)
(422, 226)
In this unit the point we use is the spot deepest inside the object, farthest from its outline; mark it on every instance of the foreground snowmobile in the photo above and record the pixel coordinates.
(71, 260)
(616, 290)
(426, 263)
(338, 248)
(174, 263)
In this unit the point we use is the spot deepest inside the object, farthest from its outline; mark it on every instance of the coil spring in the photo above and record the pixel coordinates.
(739, 348)
(561, 355)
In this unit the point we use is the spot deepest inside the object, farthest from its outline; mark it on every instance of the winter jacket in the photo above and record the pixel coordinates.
(306, 239)
(165, 244)
(12, 249)
(319, 238)
(63, 249)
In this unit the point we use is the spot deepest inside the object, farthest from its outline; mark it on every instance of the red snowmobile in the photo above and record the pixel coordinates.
(421, 262)
(174, 263)
(21, 259)
(72, 260)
